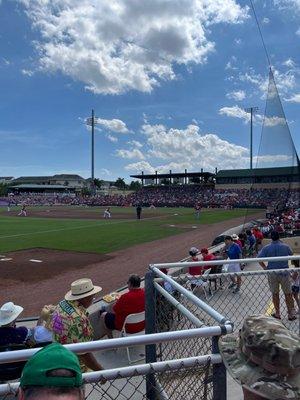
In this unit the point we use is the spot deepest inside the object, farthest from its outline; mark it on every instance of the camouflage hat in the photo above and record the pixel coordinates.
(265, 358)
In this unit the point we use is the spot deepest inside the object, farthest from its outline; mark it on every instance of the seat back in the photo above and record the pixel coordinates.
(133, 319)
(11, 371)
(206, 273)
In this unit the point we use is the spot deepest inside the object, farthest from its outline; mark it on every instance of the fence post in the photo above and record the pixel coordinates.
(219, 374)
(150, 328)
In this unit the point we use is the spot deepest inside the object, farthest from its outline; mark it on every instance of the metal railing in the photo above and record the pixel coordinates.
(130, 382)
(181, 341)
(177, 308)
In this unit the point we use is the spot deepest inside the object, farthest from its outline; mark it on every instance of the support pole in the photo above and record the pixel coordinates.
(219, 374)
(150, 328)
(93, 150)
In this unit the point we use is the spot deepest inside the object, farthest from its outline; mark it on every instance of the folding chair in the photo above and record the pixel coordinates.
(133, 319)
(202, 283)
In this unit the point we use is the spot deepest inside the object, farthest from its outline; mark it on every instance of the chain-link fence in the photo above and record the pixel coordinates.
(254, 297)
(183, 383)
(169, 318)
(189, 381)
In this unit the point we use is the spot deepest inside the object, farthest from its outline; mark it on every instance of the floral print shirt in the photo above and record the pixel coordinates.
(70, 324)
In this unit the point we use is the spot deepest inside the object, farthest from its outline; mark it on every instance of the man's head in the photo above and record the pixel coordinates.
(248, 232)
(193, 251)
(274, 236)
(134, 281)
(228, 240)
(9, 312)
(52, 373)
(83, 290)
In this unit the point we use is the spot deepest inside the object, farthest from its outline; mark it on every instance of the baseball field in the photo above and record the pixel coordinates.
(40, 254)
(85, 230)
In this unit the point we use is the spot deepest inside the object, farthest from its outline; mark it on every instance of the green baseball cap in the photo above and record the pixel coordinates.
(52, 357)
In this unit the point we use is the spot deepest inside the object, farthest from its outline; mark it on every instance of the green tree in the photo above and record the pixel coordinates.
(135, 185)
(3, 189)
(86, 191)
(98, 183)
(120, 183)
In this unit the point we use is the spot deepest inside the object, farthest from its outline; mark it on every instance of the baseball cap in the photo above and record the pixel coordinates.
(52, 357)
(193, 250)
(204, 250)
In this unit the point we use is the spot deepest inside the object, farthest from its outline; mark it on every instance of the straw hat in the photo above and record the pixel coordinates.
(9, 312)
(82, 288)
(264, 358)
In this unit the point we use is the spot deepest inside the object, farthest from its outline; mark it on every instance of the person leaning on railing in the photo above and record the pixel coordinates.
(70, 322)
(278, 249)
(52, 373)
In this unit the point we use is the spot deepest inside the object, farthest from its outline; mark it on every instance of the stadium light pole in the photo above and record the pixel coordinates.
(91, 122)
(251, 111)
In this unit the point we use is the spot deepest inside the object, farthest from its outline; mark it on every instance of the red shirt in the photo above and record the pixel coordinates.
(258, 234)
(208, 257)
(131, 302)
(195, 270)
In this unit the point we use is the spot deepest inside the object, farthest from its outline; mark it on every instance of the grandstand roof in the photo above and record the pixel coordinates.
(32, 178)
(67, 176)
(173, 175)
(239, 173)
(33, 186)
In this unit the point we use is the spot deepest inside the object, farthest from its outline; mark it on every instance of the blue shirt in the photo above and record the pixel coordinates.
(234, 251)
(276, 249)
(251, 240)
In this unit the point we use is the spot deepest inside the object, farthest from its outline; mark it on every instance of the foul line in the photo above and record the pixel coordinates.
(75, 227)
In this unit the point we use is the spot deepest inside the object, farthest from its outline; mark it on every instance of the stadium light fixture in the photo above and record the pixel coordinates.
(251, 111)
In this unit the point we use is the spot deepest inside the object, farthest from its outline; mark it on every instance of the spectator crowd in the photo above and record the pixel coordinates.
(167, 196)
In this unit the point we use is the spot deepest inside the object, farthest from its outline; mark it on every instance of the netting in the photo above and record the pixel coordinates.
(275, 177)
(276, 148)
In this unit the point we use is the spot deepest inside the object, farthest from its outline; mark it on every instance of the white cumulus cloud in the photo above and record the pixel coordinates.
(177, 149)
(294, 98)
(235, 112)
(237, 95)
(121, 45)
(113, 125)
(130, 154)
(111, 138)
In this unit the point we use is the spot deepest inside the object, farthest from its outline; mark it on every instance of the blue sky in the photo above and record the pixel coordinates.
(169, 81)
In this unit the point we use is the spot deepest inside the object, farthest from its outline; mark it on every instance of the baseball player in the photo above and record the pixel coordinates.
(23, 210)
(107, 213)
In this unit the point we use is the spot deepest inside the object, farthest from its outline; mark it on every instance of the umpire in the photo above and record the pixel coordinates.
(138, 211)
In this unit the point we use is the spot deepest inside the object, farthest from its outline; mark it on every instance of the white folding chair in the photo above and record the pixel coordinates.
(133, 319)
(202, 283)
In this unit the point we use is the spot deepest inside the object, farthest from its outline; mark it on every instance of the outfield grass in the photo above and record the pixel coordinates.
(100, 236)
